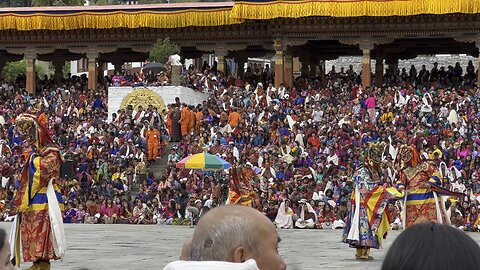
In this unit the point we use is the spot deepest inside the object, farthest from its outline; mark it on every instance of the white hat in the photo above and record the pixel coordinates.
(303, 201)
(332, 203)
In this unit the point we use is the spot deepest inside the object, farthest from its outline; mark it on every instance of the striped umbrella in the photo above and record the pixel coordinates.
(203, 161)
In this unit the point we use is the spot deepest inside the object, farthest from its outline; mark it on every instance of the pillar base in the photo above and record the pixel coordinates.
(279, 76)
(176, 72)
(366, 68)
(288, 70)
(31, 81)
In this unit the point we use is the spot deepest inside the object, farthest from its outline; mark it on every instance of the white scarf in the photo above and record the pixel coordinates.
(392, 150)
(291, 122)
(211, 265)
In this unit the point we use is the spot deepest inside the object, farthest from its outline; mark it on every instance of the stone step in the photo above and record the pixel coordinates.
(157, 168)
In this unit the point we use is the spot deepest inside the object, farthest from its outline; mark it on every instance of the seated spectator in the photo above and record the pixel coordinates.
(307, 217)
(117, 79)
(109, 212)
(93, 212)
(284, 218)
(125, 213)
(80, 215)
(69, 213)
(327, 217)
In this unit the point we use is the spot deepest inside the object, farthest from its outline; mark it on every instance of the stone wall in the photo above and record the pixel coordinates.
(427, 60)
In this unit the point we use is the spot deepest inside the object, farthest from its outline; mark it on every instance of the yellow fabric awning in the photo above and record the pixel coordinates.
(265, 9)
(108, 17)
(217, 13)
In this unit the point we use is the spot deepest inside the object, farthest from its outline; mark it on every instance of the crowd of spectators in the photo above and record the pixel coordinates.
(303, 143)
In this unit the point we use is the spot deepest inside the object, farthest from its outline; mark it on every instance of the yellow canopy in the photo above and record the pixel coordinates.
(265, 9)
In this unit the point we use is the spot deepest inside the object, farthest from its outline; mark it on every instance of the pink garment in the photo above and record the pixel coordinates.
(80, 214)
(370, 102)
(109, 211)
(463, 154)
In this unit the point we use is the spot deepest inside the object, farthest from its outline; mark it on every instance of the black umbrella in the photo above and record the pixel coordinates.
(154, 67)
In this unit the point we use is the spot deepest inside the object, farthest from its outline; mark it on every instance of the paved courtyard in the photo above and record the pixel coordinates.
(152, 247)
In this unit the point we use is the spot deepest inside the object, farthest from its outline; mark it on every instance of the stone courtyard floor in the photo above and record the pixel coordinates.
(152, 247)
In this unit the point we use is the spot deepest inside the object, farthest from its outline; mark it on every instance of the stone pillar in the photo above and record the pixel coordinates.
(379, 70)
(392, 66)
(176, 72)
(304, 70)
(92, 70)
(101, 69)
(220, 54)
(240, 60)
(313, 69)
(31, 83)
(288, 70)
(118, 65)
(58, 64)
(279, 72)
(198, 63)
(240, 69)
(101, 72)
(322, 66)
(366, 64)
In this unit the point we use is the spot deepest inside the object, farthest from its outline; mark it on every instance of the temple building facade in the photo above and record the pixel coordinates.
(312, 31)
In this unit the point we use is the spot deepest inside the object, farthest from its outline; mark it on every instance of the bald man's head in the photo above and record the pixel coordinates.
(184, 256)
(236, 233)
(225, 228)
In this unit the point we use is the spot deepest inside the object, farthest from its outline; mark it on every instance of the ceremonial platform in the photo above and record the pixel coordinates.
(157, 96)
(151, 247)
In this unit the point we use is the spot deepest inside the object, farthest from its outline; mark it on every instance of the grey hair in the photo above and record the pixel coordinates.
(219, 241)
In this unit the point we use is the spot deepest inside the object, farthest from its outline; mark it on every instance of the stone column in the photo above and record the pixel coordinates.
(392, 64)
(322, 68)
(118, 65)
(240, 69)
(198, 63)
(101, 71)
(304, 69)
(366, 47)
(240, 60)
(279, 72)
(379, 70)
(31, 83)
(220, 54)
(58, 64)
(288, 70)
(92, 69)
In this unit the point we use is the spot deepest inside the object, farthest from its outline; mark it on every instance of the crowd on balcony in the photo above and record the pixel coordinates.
(303, 143)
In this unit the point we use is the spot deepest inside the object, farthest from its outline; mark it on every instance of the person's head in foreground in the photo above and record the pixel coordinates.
(432, 246)
(236, 234)
(5, 262)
